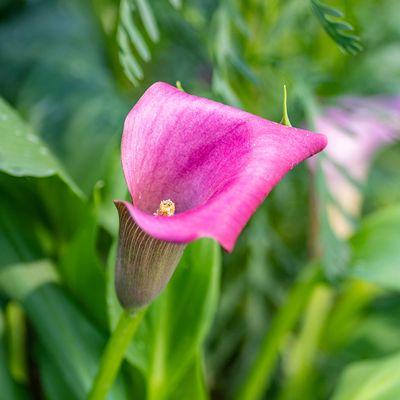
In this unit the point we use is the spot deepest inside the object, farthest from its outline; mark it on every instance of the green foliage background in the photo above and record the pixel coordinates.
(69, 72)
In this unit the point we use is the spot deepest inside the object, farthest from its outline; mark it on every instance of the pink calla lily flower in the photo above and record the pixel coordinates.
(357, 128)
(214, 163)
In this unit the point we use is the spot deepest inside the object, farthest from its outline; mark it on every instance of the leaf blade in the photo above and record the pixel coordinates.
(331, 19)
(22, 153)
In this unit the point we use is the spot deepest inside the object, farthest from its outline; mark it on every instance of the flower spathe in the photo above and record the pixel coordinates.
(215, 162)
(357, 128)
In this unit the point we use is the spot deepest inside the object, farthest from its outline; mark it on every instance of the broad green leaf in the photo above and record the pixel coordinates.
(376, 335)
(92, 137)
(86, 126)
(376, 255)
(22, 153)
(17, 242)
(69, 339)
(37, 216)
(83, 272)
(55, 71)
(370, 380)
(54, 386)
(17, 281)
(176, 324)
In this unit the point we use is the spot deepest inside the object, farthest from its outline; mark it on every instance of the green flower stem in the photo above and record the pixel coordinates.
(260, 373)
(301, 360)
(114, 353)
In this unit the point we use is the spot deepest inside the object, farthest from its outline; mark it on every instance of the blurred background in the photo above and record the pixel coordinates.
(70, 71)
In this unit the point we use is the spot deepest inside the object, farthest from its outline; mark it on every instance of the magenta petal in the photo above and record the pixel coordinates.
(217, 163)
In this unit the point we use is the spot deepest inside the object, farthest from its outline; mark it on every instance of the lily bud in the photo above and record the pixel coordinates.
(144, 264)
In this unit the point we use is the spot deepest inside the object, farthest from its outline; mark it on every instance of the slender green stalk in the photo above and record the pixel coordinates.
(260, 373)
(114, 353)
(15, 319)
(301, 360)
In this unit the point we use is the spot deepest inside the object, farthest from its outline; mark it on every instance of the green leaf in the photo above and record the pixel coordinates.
(91, 139)
(54, 386)
(9, 389)
(191, 385)
(22, 153)
(376, 255)
(177, 322)
(228, 28)
(133, 32)
(333, 24)
(370, 380)
(128, 34)
(176, 3)
(114, 188)
(72, 343)
(130, 38)
(137, 30)
(223, 88)
(18, 280)
(55, 71)
(83, 272)
(148, 20)
(17, 341)
(52, 218)
(17, 243)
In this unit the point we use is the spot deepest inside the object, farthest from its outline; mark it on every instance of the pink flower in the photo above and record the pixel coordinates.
(357, 128)
(214, 162)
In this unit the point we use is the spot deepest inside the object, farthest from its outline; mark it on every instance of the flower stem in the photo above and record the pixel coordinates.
(114, 353)
(259, 376)
(300, 362)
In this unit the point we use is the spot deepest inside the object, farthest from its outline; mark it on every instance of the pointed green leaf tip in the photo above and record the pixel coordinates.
(179, 86)
(285, 118)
